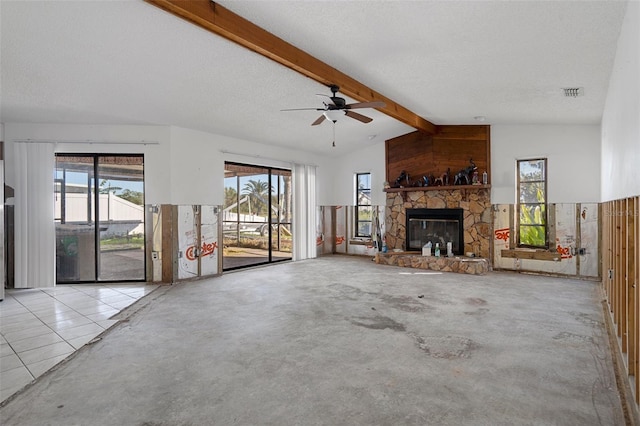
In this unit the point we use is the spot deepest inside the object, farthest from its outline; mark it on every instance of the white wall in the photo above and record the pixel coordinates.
(197, 167)
(182, 166)
(573, 154)
(197, 163)
(621, 118)
(107, 139)
(341, 172)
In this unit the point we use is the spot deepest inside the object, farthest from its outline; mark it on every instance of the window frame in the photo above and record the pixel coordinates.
(359, 206)
(542, 205)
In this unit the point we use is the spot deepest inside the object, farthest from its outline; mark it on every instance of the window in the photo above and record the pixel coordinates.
(363, 213)
(257, 215)
(99, 218)
(531, 206)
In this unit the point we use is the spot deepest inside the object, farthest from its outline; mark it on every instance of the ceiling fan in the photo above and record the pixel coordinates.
(335, 106)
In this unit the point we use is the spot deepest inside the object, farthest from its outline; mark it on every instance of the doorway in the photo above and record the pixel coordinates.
(99, 218)
(256, 215)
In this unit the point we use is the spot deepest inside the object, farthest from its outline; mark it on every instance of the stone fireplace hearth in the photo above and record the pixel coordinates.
(474, 202)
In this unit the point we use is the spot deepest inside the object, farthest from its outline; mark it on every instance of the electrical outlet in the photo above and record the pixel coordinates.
(155, 255)
(610, 274)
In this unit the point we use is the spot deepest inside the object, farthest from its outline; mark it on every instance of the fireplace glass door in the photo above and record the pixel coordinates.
(436, 231)
(438, 226)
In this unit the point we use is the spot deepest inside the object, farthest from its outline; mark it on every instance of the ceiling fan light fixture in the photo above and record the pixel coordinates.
(333, 114)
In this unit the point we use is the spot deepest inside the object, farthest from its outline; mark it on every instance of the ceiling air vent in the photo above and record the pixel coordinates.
(573, 92)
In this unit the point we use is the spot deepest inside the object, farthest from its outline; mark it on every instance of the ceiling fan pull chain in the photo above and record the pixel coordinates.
(334, 134)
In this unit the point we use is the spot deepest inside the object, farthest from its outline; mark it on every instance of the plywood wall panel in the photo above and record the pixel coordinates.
(621, 277)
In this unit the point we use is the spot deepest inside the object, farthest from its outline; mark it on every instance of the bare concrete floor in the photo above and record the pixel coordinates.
(342, 341)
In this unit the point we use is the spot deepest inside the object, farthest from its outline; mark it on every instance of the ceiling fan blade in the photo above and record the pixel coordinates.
(303, 109)
(358, 117)
(373, 104)
(329, 99)
(319, 120)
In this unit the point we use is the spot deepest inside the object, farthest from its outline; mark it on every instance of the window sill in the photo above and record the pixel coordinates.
(531, 254)
(361, 241)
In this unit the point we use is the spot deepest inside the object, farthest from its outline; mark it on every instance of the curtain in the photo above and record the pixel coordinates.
(35, 248)
(304, 211)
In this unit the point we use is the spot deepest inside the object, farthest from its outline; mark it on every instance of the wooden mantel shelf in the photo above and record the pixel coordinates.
(436, 188)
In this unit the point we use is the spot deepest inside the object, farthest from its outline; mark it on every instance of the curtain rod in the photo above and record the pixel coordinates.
(88, 141)
(224, 151)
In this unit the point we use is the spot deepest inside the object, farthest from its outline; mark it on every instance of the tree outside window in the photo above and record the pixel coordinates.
(531, 206)
(363, 213)
(258, 191)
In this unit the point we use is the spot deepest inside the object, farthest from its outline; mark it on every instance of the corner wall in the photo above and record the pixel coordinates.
(336, 232)
(620, 154)
(620, 189)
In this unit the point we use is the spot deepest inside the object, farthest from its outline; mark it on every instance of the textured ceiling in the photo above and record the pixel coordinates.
(128, 62)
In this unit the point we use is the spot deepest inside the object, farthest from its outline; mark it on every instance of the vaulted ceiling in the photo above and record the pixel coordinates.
(130, 62)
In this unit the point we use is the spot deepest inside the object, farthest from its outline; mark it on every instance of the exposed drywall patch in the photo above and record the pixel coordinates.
(589, 241)
(576, 240)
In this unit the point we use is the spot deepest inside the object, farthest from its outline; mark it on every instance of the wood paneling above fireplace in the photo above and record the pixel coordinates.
(451, 147)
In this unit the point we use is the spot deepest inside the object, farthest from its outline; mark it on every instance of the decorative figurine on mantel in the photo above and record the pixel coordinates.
(402, 180)
(443, 180)
(462, 177)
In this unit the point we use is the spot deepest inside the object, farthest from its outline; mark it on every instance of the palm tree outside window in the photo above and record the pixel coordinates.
(258, 192)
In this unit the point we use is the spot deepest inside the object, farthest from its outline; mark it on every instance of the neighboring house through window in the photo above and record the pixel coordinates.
(363, 212)
(532, 203)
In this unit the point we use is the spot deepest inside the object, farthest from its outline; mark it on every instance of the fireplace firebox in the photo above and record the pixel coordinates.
(435, 225)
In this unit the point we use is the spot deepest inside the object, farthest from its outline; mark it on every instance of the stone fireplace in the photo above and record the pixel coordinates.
(473, 203)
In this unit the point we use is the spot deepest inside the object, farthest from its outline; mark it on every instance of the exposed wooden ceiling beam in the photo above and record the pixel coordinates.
(215, 18)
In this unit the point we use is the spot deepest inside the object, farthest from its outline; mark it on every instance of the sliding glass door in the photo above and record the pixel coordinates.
(99, 205)
(256, 215)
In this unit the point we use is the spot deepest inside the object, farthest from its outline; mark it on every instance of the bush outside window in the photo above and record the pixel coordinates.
(532, 203)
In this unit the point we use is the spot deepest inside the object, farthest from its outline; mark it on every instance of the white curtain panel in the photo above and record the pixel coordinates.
(310, 231)
(35, 248)
(304, 212)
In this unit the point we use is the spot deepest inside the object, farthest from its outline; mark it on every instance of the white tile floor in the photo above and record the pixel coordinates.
(41, 327)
